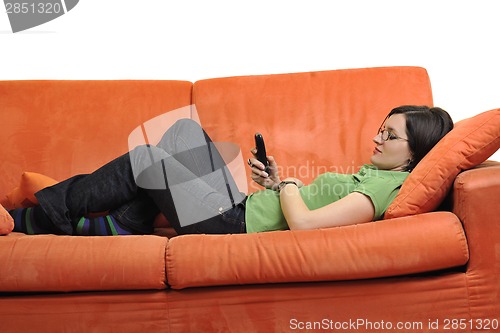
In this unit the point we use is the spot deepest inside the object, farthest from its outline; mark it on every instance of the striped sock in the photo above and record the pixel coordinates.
(100, 226)
(31, 221)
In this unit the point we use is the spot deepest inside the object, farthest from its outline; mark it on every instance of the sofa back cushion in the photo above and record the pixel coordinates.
(311, 122)
(63, 128)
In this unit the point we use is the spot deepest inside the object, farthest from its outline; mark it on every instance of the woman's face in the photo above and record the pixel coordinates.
(392, 154)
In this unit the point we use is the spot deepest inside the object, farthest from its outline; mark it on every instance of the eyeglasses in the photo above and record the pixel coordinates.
(386, 135)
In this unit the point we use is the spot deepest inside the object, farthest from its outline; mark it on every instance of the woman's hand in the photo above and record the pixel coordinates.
(261, 177)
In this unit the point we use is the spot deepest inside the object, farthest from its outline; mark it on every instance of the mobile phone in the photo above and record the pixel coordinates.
(261, 151)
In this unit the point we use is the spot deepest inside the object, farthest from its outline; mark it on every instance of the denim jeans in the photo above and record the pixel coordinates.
(184, 177)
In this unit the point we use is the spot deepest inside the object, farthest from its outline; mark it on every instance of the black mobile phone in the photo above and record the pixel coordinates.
(261, 151)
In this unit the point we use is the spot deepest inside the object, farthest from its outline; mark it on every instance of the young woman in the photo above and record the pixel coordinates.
(184, 178)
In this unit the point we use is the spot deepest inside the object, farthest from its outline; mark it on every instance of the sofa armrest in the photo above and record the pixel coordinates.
(392, 247)
(475, 201)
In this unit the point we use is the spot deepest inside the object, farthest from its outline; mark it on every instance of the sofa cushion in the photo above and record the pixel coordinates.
(385, 248)
(24, 194)
(6, 222)
(72, 263)
(32, 182)
(15, 199)
(470, 143)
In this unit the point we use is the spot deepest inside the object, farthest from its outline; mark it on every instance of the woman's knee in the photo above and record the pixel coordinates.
(143, 157)
(187, 125)
(183, 134)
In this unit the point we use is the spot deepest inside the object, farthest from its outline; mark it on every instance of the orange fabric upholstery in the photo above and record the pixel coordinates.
(471, 142)
(6, 221)
(24, 194)
(32, 182)
(66, 263)
(413, 269)
(16, 199)
(311, 122)
(475, 202)
(63, 128)
(355, 252)
(281, 307)
(99, 312)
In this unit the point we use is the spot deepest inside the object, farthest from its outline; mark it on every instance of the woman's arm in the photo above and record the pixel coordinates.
(353, 209)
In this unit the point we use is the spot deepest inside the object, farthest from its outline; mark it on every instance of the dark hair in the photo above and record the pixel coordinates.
(425, 126)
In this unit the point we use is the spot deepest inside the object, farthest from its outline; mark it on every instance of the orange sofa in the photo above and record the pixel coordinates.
(431, 265)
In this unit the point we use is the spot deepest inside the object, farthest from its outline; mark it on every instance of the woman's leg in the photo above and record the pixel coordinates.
(190, 182)
(185, 176)
(32, 221)
(106, 189)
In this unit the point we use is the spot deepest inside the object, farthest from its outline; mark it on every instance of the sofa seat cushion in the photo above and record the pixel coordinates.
(405, 245)
(72, 263)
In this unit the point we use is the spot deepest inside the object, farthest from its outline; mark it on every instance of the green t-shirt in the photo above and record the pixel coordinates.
(263, 209)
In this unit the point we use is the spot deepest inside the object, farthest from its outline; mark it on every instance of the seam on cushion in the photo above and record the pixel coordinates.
(168, 269)
(467, 290)
(171, 266)
(466, 274)
(463, 238)
(168, 319)
(164, 268)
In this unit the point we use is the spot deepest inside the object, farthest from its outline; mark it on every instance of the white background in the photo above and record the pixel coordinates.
(456, 41)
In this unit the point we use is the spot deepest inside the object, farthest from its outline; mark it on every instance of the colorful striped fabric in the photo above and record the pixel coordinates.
(100, 226)
(32, 221)
(25, 221)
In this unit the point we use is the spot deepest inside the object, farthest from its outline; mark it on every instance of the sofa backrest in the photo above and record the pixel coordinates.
(311, 122)
(63, 128)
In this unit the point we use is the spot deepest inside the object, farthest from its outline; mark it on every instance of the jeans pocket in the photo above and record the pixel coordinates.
(234, 218)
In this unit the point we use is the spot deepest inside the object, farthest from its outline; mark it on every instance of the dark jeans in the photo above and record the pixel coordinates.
(184, 177)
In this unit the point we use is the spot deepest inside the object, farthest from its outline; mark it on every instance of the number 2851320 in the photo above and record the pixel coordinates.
(33, 8)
